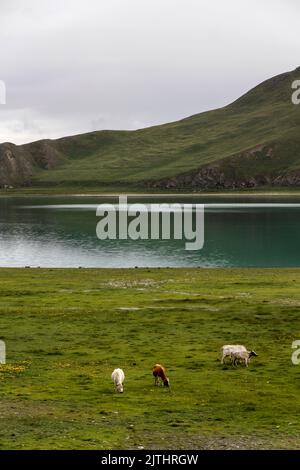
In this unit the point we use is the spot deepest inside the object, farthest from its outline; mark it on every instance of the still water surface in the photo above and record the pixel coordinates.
(61, 232)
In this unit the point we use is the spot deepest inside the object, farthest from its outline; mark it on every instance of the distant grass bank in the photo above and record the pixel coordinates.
(66, 329)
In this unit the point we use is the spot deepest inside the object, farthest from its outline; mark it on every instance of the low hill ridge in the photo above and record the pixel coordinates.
(253, 142)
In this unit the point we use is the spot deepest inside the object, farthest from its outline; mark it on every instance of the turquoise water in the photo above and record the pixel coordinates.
(61, 232)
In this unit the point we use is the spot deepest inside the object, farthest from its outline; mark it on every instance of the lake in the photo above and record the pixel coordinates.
(61, 232)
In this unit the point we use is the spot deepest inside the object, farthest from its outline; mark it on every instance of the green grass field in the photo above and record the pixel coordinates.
(66, 330)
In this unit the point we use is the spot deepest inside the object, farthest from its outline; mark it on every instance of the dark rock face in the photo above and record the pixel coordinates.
(250, 169)
(214, 178)
(15, 166)
(44, 154)
(18, 162)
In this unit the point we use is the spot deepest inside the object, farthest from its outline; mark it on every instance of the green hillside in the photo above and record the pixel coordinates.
(254, 141)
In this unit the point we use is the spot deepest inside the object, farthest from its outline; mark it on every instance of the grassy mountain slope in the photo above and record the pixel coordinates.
(252, 142)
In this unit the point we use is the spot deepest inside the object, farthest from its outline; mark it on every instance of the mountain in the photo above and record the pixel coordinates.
(253, 142)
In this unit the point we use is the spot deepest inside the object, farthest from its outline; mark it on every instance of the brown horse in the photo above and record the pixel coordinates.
(159, 373)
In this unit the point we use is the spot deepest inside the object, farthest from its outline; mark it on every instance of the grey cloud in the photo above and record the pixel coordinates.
(76, 66)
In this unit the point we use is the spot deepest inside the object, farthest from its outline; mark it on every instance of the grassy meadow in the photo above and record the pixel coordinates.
(66, 330)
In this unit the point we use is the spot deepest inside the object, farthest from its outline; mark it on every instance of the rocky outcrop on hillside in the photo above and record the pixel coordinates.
(16, 165)
(253, 168)
(212, 177)
(44, 154)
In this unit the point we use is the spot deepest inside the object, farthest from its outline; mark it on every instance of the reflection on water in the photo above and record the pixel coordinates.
(60, 232)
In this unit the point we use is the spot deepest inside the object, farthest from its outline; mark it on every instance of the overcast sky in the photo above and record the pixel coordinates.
(73, 66)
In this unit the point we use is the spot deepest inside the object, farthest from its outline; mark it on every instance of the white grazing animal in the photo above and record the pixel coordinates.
(118, 378)
(242, 356)
(230, 349)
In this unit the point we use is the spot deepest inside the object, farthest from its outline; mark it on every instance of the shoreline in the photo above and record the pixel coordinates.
(154, 269)
(160, 195)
